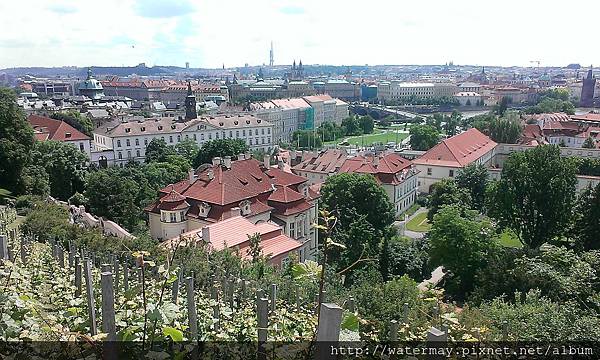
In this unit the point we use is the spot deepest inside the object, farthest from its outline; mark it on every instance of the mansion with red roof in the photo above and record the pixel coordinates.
(447, 158)
(45, 128)
(244, 187)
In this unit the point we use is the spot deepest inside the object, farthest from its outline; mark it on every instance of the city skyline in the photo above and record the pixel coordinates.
(128, 32)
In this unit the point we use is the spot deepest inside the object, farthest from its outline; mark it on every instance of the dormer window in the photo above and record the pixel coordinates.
(204, 209)
(68, 135)
(236, 122)
(160, 127)
(221, 124)
(127, 130)
(142, 129)
(245, 207)
(247, 121)
(173, 127)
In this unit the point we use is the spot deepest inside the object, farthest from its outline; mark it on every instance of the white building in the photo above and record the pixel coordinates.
(128, 140)
(446, 159)
(468, 98)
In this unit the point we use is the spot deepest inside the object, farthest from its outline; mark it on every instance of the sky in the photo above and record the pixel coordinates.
(335, 32)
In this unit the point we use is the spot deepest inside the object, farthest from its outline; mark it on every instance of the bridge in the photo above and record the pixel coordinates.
(378, 112)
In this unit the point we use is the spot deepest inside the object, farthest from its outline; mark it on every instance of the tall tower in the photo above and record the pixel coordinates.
(190, 104)
(271, 56)
(587, 90)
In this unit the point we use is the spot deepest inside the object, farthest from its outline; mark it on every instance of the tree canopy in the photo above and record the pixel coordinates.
(446, 192)
(76, 120)
(461, 243)
(16, 142)
(65, 165)
(535, 195)
(423, 137)
(219, 148)
(474, 178)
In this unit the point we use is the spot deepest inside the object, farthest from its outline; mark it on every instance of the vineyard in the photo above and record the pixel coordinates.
(61, 295)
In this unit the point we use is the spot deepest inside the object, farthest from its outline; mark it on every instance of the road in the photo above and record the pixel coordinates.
(411, 234)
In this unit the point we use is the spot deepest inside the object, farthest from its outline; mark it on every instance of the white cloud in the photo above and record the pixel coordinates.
(234, 32)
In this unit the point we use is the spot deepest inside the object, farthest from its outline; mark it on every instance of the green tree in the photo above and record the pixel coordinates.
(36, 180)
(587, 218)
(114, 196)
(306, 139)
(76, 120)
(535, 195)
(409, 257)
(474, 178)
(366, 124)
(364, 215)
(351, 126)
(161, 174)
(506, 129)
(188, 149)
(589, 143)
(220, 148)
(452, 123)
(16, 142)
(446, 192)
(423, 137)
(461, 243)
(65, 165)
(158, 150)
(500, 109)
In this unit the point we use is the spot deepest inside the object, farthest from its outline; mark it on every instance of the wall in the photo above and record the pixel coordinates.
(90, 221)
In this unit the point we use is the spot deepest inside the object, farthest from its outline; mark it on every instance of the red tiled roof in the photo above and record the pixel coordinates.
(385, 171)
(586, 117)
(459, 150)
(234, 232)
(278, 245)
(325, 162)
(55, 129)
(291, 208)
(284, 178)
(284, 194)
(173, 201)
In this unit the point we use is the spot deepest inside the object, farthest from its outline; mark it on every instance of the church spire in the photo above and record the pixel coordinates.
(190, 104)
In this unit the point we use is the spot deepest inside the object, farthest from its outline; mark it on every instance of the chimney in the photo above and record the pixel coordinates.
(211, 174)
(216, 161)
(241, 156)
(267, 161)
(280, 164)
(206, 234)
(191, 176)
(376, 161)
(248, 155)
(227, 162)
(236, 211)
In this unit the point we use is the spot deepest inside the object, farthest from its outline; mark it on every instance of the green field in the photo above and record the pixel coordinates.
(378, 136)
(419, 223)
(508, 239)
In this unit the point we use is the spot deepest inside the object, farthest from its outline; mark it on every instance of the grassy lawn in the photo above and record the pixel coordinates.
(508, 239)
(411, 210)
(419, 223)
(378, 136)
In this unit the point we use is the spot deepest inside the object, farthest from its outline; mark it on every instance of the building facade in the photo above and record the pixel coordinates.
(254, 190)
(128, 140)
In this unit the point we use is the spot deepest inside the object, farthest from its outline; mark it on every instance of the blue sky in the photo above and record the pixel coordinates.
(339, 32)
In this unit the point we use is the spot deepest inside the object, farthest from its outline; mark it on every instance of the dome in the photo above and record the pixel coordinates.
(90, 83)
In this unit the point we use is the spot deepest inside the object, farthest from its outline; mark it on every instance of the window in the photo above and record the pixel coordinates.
(255, 131)
(162, 216)
(170, 138)
(129, 154)
(262, 131)
(181, 216)
(118, 143)
(293, 230)
(128, 142)
(269, 131)
(195, 137)
(210, 136)
(145, 141)
(173, 217)
(137, 142)
(250, 141)
(230, 133)
(429, 171)
(137, 153)
(202, 137)
(243, 132)
(237, 133)
(451, 173)
(217, 135)
(178, 138)
(120, 155)
(81, 147)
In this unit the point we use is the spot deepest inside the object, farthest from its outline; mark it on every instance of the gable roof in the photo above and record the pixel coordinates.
(327, 161)
(50, 129)
(459, 150)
